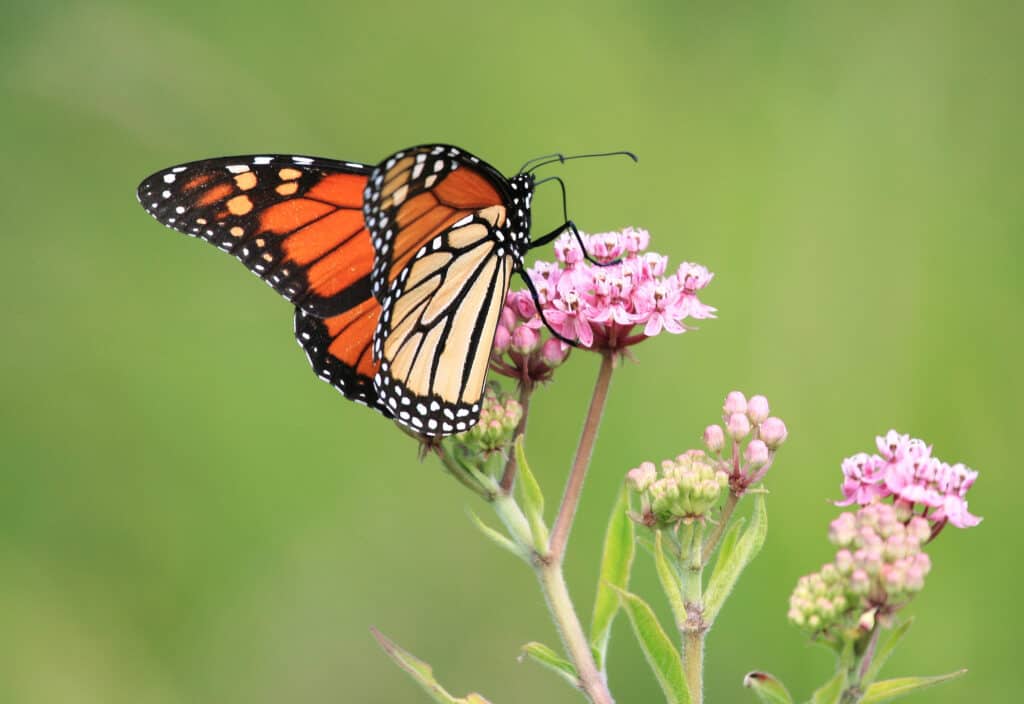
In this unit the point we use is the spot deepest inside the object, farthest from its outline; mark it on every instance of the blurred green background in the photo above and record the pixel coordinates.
(188, 515)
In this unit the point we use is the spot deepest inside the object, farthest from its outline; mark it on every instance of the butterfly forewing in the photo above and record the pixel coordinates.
(294, 221)
(447, 248)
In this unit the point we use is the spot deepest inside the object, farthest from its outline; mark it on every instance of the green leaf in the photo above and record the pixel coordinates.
(887, 690)
(831, 691)
(497, 538)
(669, 578)
(422, 673)
(728, 544)
(726, 575)
(548, 658)
(886, 649)
(661, 655)
(616, 563)
(532, 500)
(768, 688)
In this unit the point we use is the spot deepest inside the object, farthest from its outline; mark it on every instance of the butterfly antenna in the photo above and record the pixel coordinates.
(571, 227)
(562, 159)
(557, 156)
(561, 184)
(540, 310)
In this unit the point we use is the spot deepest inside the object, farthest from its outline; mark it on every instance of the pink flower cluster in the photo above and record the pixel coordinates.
(905, 470)
(745, 420)
(601, 306)
(877, 569)
(523, 348)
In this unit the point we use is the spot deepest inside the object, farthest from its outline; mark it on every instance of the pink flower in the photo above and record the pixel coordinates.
(615, 306)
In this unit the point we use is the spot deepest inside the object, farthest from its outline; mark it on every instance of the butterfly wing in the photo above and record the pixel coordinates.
(439, 221)
(339, 349)
(294, 221)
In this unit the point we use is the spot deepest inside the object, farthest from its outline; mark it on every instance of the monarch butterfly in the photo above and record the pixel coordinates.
(398, 272)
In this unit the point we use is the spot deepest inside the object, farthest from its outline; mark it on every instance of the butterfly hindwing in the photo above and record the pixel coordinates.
(294, 221)
(447, 245)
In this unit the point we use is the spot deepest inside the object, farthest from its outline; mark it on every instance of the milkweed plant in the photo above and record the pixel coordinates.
(896, 499)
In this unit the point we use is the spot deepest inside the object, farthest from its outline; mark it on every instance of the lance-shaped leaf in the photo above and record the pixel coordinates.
(423, 673)
(768, 688)
(668, 575)
(532, 500)
(885, 650)
(548, 658)
(497, 538)
(726, 547)
(726, 574)
(616, 563)
(661, 655)
(831, 691)
(888, 690)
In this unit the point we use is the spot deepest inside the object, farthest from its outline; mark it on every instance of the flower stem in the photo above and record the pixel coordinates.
(556, 593)
(694, 628)
(573, 488)
(508, 478)
(719, 529)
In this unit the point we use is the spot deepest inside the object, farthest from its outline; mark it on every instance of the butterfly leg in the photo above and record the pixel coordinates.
(571, 227)
(540, 310)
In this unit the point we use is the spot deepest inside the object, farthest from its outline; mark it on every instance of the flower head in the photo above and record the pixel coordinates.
(683, 490)
(623, 302)
(918, 483)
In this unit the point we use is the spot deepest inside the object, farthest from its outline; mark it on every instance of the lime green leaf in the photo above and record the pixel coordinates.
(422, 673)
(616, 563)
(661, 655)
(887, 690)
(727, 545)
(886, 649)
(545, 656)
(669, 578)
(831, 691)
(768, 688)
(532, 500)
(497, 538)
(726, 575)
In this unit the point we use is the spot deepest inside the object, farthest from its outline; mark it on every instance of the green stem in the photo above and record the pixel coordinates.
(859, 670)
(556, 593)
(694, 628)
(508, 478)
(585, 450)
(719, 529)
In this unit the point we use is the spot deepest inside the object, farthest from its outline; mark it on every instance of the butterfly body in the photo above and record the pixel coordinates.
(398, 272)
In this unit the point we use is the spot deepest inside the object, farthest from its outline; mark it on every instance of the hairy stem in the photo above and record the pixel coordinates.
(585, 450)
(556, 593)
(719, 529)
(508, 479)
(694, 628)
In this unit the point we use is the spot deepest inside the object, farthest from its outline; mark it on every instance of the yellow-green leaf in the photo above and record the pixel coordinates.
(726, 574)
(768, 688)
(548, 658)
(422, 673)
(661, 655)
(831, 691)
(888, 690)
(616, 563)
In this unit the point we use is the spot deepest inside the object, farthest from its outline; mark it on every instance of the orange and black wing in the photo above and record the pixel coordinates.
(294, 221)
(445, 254)
(339, 348)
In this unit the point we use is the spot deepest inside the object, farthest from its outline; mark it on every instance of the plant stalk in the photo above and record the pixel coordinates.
(719, 529)
(584, 451)
(694, 628)
(556, 593)
(508, 478)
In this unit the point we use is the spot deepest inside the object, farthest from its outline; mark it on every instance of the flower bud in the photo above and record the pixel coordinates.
(756, 454)
(738, 426)
(757, 409)
(554, 352)
(735, 402)
(524, 339)
(641, 477)
(714, 438)
(773, 432)
(502, 340)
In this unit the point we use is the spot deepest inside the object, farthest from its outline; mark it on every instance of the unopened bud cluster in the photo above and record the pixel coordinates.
(499, 416)
(746, 442)
(524, 349)
(877, 569)
(684, 489)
